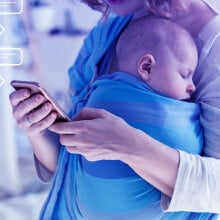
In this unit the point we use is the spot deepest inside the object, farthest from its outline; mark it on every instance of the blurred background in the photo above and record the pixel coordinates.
(39, 40)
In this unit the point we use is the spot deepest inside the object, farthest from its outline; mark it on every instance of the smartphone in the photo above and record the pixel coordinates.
(35, 88)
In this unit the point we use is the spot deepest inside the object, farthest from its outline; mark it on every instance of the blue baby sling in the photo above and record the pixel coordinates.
(111, 189)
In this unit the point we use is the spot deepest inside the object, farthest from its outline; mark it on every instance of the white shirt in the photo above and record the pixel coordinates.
(214, 4)
(198, 182)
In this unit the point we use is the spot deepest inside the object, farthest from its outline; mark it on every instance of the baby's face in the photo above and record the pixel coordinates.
(172, 75)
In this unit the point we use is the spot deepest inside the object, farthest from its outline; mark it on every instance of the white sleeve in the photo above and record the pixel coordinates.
(197, 186)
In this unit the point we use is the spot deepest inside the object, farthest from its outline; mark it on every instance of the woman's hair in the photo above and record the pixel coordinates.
(99, 5)
(166, 8)
(159, 7)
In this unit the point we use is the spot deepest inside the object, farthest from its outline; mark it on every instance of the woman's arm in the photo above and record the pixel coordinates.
(153, 161)
(190, 180)
(197, 185)
(46, 150)
(98, 134)
(34, 118)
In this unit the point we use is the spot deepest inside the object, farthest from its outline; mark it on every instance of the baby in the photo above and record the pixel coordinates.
(161, 53)
(156, 60)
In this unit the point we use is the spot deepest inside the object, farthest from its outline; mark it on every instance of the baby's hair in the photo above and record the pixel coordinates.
(150, 34)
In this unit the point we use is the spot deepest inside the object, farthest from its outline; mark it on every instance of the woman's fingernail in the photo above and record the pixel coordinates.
(26, 94)
(53, 115)
(47, 106)
(39, 98)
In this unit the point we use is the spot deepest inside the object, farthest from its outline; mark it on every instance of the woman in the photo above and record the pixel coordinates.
(188, 183)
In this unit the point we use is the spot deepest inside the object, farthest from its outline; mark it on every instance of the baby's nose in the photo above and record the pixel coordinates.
(191, 88)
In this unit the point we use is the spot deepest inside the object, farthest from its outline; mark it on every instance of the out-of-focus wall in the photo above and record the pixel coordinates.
(45, 37)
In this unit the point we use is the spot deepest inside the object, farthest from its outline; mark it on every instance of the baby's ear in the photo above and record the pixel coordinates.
(145, 63)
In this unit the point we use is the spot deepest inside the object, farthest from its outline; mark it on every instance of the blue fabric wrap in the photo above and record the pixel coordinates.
(173, 122)
(110, 189)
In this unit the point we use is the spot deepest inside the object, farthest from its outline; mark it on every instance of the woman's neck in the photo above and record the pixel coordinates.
(197, 16)
(140, 13)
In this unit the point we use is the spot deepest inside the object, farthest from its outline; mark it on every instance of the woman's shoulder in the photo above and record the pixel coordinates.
(211, 30)
(209, 40)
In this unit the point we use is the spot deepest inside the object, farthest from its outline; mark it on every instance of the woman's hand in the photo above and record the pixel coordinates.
(96, 134)
(34, 117)
(31, 115)
(100, 135)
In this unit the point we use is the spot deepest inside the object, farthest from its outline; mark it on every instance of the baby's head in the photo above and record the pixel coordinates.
(161, 53)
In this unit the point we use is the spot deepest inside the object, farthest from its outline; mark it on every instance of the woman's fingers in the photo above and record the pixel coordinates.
(35, 116)
(30, 113)
(65, 127)
(81, 123)
(40, 113)
(96, 135)
(19, 95)
(27, 106)
(90, 113)
(43, 124)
